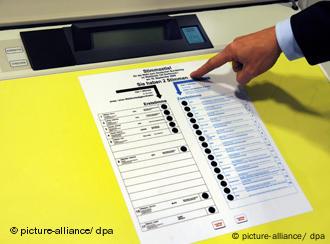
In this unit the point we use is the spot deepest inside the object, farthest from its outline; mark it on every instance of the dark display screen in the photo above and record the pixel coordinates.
(127, 37)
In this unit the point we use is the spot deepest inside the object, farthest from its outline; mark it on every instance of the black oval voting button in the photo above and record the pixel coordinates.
(220, 177)
(190, 114)
(223, 183)
(166, 112)
(175, 130)
(205, 195)
(164, 106)
(184, 103)
(230, 197)
(217, 170)
(201, 138)
(183, 149)
(172, 124)
(169, 118)
(211, 209)
(187, 109)
(226, 190)
(192, 120)
(204, 144)
(214, 164)
(210, 157)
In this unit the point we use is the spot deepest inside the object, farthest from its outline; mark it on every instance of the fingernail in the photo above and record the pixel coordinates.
(192, 74)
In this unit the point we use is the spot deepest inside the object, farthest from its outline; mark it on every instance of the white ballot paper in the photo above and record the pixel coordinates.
(192, 158)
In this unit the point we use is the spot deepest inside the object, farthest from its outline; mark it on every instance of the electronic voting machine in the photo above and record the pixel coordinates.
(105, 137)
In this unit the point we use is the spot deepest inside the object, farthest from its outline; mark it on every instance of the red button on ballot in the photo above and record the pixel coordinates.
(219, 224)
(240, 218)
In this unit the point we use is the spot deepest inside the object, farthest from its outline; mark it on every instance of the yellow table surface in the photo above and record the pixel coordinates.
(54, 171)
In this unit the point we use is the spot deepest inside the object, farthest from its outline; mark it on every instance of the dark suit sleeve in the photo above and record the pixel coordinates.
(311, 29)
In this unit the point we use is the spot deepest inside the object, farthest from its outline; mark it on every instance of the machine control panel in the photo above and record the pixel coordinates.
(114, 39)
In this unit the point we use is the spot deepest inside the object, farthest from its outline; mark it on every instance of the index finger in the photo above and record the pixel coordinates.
(218, 60)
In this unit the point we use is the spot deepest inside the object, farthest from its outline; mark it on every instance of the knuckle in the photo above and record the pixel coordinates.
(232, 46)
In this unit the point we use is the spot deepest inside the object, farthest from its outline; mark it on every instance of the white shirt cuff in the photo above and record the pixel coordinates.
(286, 40)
